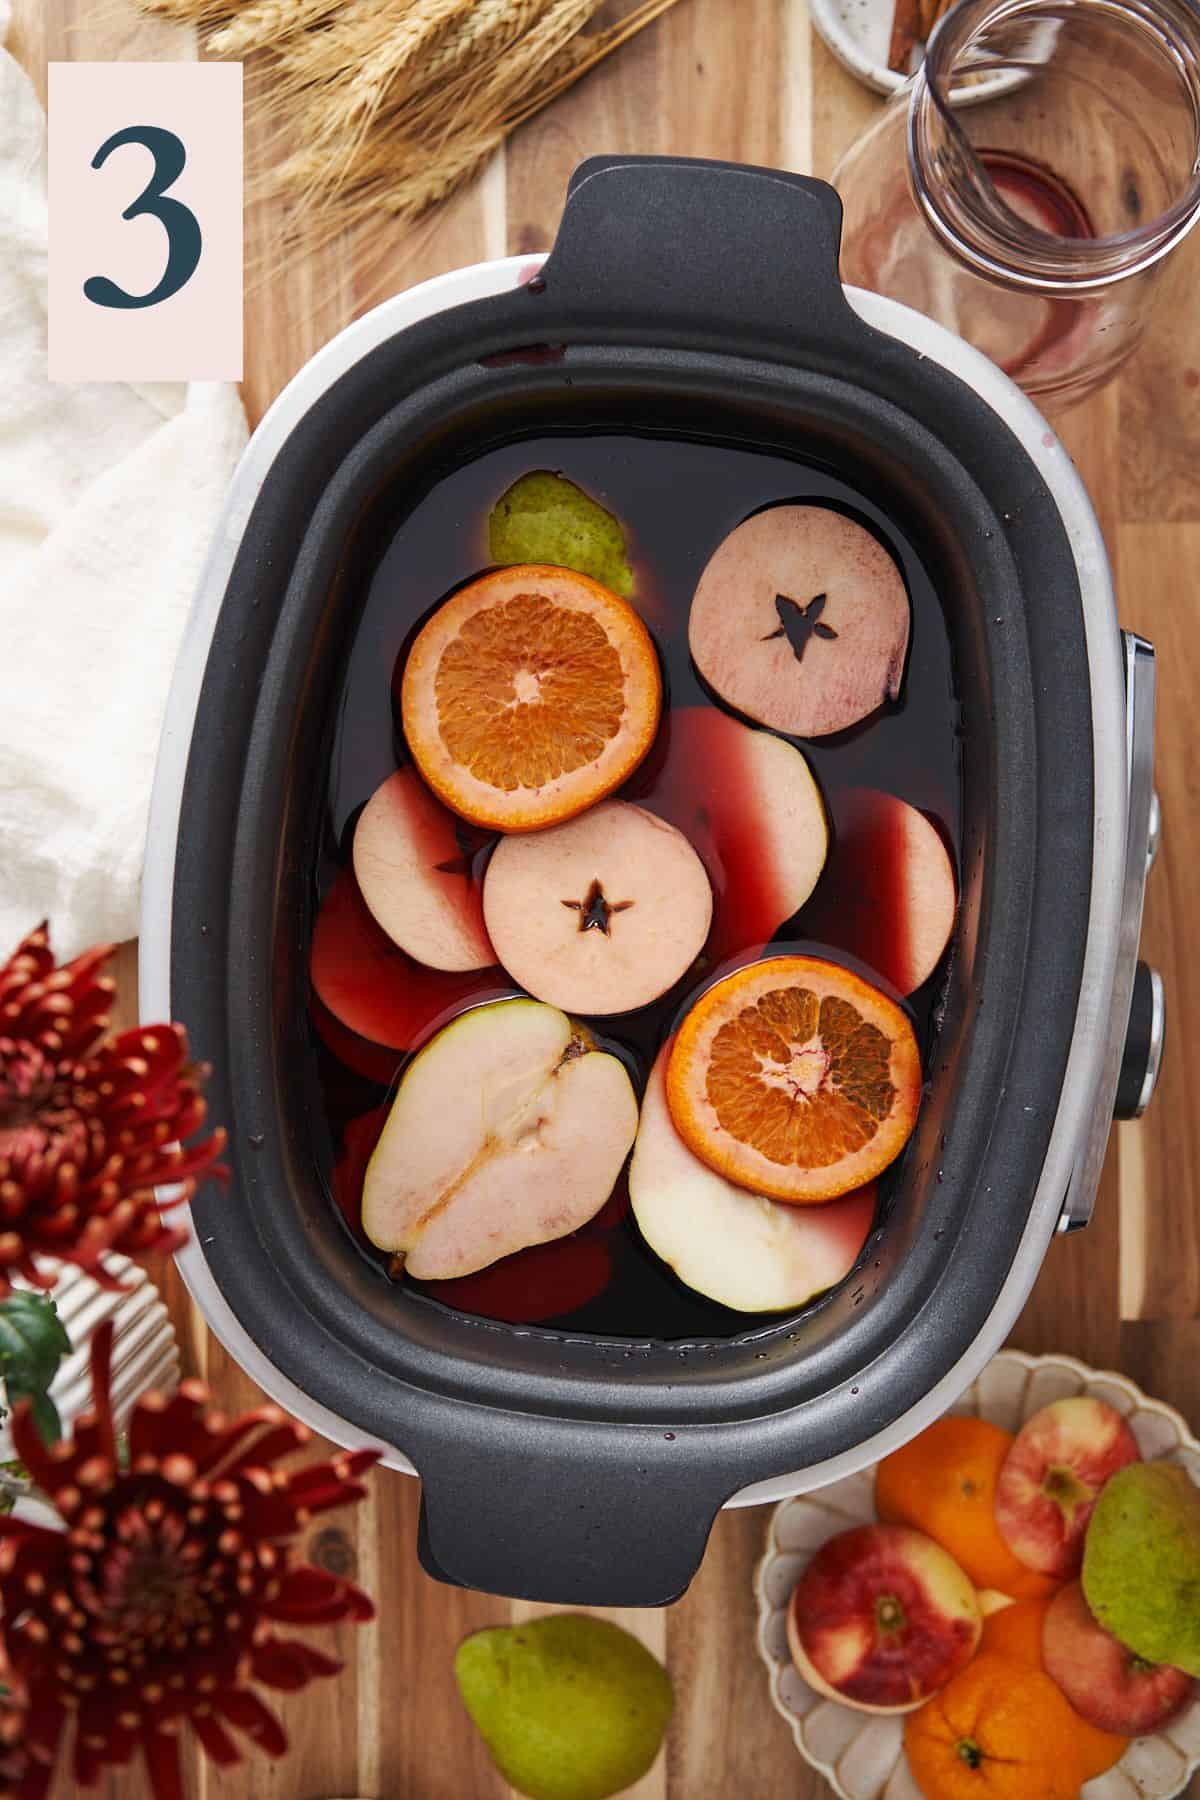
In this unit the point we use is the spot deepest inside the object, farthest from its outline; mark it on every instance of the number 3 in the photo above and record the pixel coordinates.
(178, 221)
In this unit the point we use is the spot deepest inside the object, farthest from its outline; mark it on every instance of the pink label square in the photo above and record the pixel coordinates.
(156, 296)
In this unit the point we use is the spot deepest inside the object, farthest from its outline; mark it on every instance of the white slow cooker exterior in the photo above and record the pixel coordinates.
(1085, 1062)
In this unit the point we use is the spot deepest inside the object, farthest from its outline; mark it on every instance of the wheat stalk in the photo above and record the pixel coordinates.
(379, 109)
(263, 23)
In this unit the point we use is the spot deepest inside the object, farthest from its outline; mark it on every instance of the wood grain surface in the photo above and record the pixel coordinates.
(747, 80)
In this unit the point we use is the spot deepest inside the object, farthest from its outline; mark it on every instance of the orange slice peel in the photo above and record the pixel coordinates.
(529, 695)
(795, 1078)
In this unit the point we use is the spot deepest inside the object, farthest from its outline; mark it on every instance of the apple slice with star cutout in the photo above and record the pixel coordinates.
(601, 914)
(414, 864)
(734, 1246)
(801, 620)
(508, 1129)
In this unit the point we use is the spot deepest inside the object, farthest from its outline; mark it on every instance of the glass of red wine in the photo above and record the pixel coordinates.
(1027, 184)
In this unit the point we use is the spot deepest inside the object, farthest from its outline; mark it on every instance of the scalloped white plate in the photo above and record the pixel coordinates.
(861, 1756)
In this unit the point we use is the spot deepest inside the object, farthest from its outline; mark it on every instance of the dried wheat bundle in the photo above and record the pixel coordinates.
(381, 108)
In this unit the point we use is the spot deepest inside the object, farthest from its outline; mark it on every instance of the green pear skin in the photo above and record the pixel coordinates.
(1141, 1563)
(544, 518)
(571, 1708)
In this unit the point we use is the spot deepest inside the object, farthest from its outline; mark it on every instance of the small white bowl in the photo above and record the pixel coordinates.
(861, 1755)
(859, 33)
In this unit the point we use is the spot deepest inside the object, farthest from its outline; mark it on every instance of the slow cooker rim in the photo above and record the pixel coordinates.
(495, 277)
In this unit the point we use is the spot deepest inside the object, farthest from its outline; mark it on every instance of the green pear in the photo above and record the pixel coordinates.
(1141, 1563)
(544, 518)
(571, 1708)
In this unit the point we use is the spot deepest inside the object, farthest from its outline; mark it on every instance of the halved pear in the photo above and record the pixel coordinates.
(736, 1247)
(508, 1129)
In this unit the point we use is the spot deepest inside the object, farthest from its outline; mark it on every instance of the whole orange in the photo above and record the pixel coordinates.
(998, 1731)
(944, 1483)
(1016, 1632)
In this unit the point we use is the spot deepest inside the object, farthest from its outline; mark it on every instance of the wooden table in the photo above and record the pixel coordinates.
(746, 80)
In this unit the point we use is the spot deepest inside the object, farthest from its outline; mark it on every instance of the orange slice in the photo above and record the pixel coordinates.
(795, 1078)
(531, 694)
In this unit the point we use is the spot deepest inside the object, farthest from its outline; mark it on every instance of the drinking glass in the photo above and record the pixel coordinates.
(1026, 185)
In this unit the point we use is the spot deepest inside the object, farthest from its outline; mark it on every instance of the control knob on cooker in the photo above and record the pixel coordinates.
(1144, 1034)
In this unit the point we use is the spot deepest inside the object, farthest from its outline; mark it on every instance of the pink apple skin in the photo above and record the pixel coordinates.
(1050, 1479)
(1107, 1684)
(882, 1618)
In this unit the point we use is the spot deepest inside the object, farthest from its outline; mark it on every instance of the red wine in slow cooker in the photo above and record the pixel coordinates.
(677, 500)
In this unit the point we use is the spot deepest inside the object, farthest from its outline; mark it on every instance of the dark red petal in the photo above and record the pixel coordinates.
(44, 1722)
(179, 1425)
(48, 1472)
(283, 1439)
(316, 1661)
(247, 1712)
(289, 1666)
(215, 1740)
(87, 1763)
(311, 1596)
(331, 1493)
(35, 1783)
(102, 1343)
(341, 1469)
(163, 1766)
(212, 1455)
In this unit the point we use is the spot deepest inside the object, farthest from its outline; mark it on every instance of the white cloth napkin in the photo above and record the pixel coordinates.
(109, 495)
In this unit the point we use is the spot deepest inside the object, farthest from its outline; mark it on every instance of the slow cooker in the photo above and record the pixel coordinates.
(698, 298)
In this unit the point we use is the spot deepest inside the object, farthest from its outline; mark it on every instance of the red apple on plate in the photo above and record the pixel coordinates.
(1049, 1481)
(1107, 1684)
(882, 1618)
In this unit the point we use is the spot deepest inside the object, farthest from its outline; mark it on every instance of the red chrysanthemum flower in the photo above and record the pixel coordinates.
(89, 1125)
(14, 1763)
(155, 1606)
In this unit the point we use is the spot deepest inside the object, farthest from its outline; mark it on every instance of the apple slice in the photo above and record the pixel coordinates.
(735, 1247)
(601, 914)
(540, 1283)
(888, 895)
(359, 1139)
(413, 858)
(748, 803)
(882, 1618)
(374, 1062)
(801, 621)
(508, 1129)
(1050, 1480)
(1107, 1684)
(544, 1282)
(369, 984)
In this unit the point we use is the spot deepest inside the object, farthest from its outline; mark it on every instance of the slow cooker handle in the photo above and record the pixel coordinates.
(607, 1515)
(697, 247)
